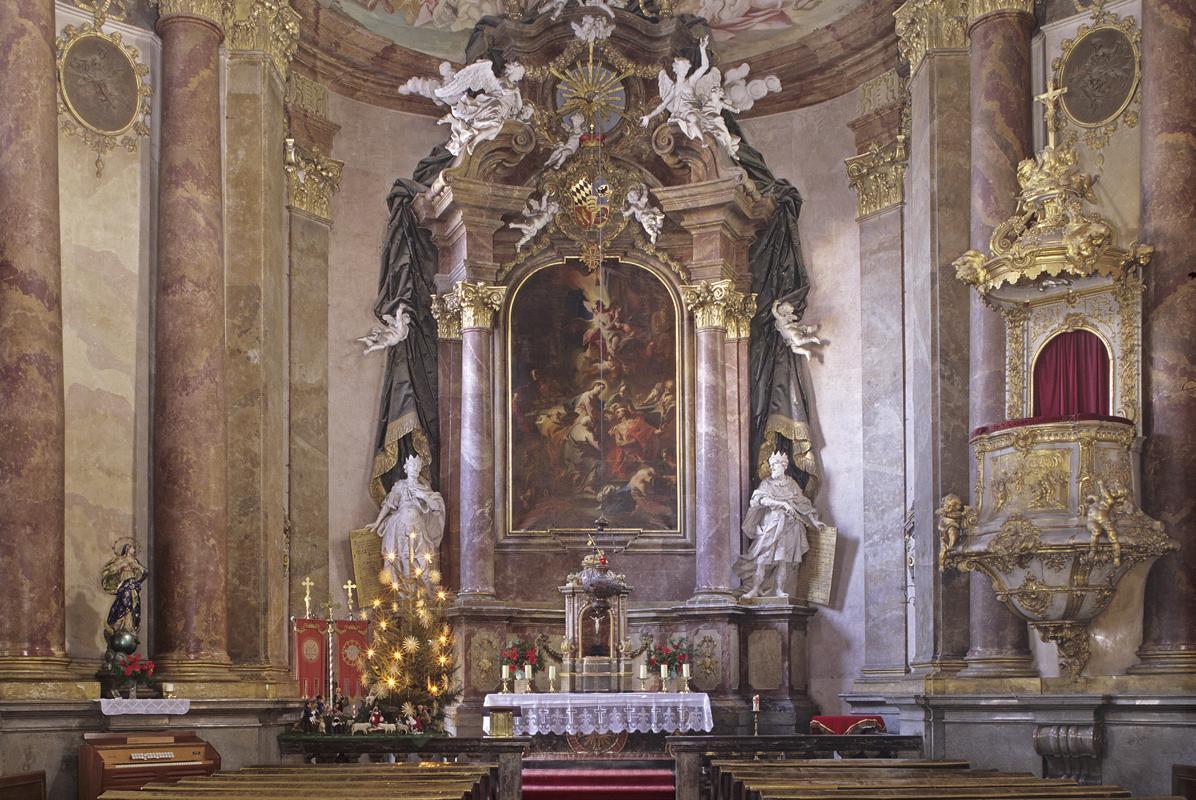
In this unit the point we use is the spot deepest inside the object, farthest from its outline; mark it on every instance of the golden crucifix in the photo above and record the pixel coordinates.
(349, 587)
(1050, 101)
(307, 584)
(328, 606)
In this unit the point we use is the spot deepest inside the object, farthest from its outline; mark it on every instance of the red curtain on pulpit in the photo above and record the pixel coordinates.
(1071, 376)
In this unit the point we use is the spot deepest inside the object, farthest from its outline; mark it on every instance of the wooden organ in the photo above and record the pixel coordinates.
(129, 761)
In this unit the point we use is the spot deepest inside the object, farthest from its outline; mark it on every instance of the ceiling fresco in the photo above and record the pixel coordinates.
(741, 28)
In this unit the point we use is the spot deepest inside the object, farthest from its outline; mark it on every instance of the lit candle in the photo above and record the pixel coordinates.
(755, 702)
(506, 672)
(168, 689)
(527, 672)
(664, 672)
(551, 673)
(643, 672)
(685, 670)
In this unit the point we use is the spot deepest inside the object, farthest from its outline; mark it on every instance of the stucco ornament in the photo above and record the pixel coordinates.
(479, 101)
(639, 205)
(555, 7)
(537, 214)
(592, 29)
(800, 338)
(740, 94)
(393, 331)
(776, 523)
(575, 126)
(410, 523)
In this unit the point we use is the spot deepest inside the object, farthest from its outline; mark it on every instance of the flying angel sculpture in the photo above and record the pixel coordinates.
(536, 215)
(639, 205)
(395, 329)
(694, 100)
(800, 338)
(479, 101)
(575, 126)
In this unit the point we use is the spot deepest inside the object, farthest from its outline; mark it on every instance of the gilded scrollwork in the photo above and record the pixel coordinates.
(1015, 361)
(1034, 480)
(312, 179)
(268, 26)
(713, 302)
(878, 177)
(927, 25)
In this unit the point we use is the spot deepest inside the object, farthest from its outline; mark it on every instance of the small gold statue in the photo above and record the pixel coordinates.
(1099, 508)
(954, 518)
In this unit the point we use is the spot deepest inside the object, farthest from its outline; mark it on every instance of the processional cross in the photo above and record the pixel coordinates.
(307, 584)
(1050, 101)
(349, 586)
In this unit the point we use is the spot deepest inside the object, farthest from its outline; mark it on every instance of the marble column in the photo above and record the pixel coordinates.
(999, 31)
(1169, 318)
(32, 624)
(932, 39)
(447, 311)
(190, 564)
(479, 303)
(712, 303)
(877, 175)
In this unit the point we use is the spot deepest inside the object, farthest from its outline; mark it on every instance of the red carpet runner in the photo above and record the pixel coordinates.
(598, 784)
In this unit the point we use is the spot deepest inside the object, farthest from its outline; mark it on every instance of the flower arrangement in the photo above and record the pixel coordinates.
(519, 653)
(673, 653)
(129, 672)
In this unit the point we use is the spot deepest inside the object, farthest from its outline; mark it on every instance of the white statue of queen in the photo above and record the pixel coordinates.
(410, 522)
(776, 522)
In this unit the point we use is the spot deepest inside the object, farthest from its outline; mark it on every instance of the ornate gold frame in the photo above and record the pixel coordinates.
(1073, 322)
(1096, 134)
(102, 140)
(509, 532)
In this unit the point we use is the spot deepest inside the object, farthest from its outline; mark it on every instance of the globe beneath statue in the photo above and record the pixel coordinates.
(123, 642)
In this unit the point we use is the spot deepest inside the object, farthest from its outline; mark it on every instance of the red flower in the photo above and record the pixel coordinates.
(681, 657)
(666, 650)
(652, 661)
(531, 659)
(128, 671)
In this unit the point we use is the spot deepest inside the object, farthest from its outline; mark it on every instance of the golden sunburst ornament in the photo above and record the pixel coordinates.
(594, 90)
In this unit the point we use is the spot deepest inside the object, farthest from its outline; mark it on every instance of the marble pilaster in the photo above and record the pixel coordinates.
(936, 230)
(447, 311)
(877, 175)
(190, 564)
(1000, 138)
(32, 625)
(256, 343)
(712, 303)
(1169, 317)
(308, 240)
(479, 304)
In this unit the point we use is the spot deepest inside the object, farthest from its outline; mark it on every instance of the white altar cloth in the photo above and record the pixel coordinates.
(607, 712)
(111, 706)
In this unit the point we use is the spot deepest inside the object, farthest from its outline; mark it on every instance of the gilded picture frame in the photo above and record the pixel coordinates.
(1101, 69)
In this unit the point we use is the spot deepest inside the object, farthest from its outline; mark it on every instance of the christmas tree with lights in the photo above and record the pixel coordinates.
(409, 669)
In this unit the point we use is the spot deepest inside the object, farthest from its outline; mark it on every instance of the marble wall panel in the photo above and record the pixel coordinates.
(382, 145)
(765, 663)
(807, 147)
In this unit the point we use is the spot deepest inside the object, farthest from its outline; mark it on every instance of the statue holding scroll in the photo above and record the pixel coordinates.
(776, 523)
(410, 522)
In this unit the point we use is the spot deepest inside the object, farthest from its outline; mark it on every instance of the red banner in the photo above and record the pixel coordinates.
(311, 656)
(351, 638)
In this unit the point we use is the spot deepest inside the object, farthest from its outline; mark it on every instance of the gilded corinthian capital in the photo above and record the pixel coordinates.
(479, 302)
(982, 8)
(925, 25)
(312, 179)
(878, 177)
(446, 310)
(219, 12)
(266, 26)
(713, 303)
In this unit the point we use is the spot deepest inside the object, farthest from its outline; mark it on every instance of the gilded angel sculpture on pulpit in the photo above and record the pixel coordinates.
(478, 100)
(778, 518)
(410, 522)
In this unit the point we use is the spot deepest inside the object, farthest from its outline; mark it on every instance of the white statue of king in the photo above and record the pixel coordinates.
(776, 522)
(410, 522)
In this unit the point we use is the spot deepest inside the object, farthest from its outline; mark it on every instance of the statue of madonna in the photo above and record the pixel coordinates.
(778, 516)
(410, 522)
(122, 576)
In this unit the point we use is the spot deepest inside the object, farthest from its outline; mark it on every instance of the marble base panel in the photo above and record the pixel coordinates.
(47, 735)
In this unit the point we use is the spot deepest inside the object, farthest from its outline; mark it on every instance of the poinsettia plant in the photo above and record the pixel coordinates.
(134, 671)
(673, 653)
(519, 653)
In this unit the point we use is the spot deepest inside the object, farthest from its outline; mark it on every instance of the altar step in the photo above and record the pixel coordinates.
(597, 782)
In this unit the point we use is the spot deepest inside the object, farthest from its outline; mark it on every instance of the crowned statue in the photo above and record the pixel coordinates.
(122, 576)
(778, 517)
(410, 522)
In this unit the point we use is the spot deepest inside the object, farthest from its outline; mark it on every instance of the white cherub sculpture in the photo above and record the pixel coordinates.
(395, 328)
(740, 94)
(638, 205)
(694, 101)
(575, 126)
(536, 214)
(593, 29)
(557, 6)
(479, 101)
(799, 337)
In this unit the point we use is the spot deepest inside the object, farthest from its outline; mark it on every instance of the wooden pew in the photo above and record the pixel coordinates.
(722, 786)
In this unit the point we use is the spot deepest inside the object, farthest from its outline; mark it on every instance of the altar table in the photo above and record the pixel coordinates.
(607, 712)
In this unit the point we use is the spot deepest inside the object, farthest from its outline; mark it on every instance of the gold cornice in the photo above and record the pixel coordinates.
(446, 310)
(307, 95)
(479, 302)
(882, 92)
(926, 25)
(266, 26)
(218, 12)
(982, 8)
(312, 179)
(715, 304)
(878, 177)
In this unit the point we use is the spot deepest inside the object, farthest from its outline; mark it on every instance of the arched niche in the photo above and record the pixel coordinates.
(1072, 374)
(593, 400)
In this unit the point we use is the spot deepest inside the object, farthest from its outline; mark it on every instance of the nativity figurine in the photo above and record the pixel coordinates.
(394, 330)
(777, 521)
(537, 214)
(410, 523)
(798, 337)
(479, 101)
(638, 205)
